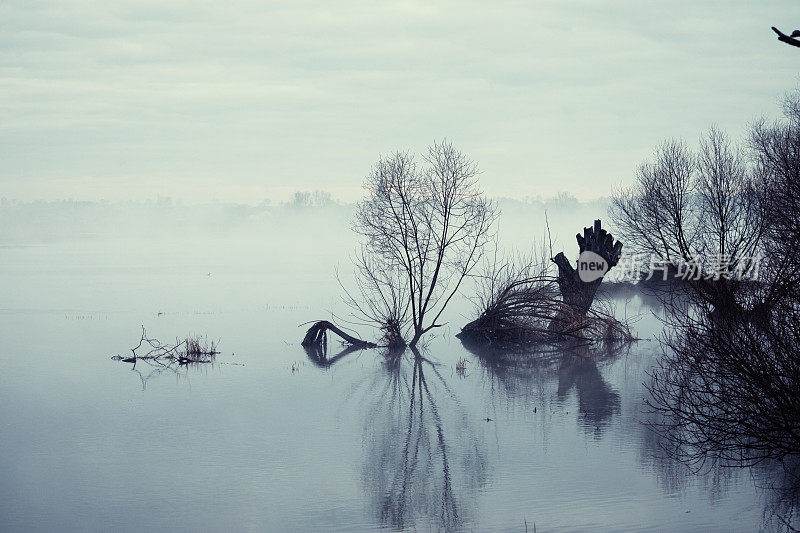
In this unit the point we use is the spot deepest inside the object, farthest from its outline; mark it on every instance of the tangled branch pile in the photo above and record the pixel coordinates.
(515, 303)
(523, 312)
(729, 389)
(189, 350)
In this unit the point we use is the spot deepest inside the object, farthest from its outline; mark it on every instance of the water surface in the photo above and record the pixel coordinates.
(268, 438)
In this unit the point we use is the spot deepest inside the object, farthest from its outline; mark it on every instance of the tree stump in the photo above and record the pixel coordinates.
(577, 294)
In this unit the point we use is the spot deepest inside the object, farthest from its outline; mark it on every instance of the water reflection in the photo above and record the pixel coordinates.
(318, 354)
(149, 369)
(423, 460)
(781, 486)
(419, 464)
(522, 373)
(598, 402)
(424, 465)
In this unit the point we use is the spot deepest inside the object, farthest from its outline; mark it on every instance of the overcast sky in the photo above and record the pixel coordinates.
(242, 101)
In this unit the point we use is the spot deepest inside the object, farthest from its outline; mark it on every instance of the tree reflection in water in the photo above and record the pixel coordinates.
(413, 454)
(781, 495)
(420, 466)
(424, 463)
(597, 401)
(520, 374)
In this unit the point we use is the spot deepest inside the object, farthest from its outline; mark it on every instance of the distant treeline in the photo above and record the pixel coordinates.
(301, 199)
(49, 221)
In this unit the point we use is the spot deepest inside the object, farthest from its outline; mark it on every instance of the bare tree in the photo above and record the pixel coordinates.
(686, 206)
(726, 387)
(776, 149)
(424, 231)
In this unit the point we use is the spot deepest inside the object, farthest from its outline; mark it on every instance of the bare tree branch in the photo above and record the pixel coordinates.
(785, 38)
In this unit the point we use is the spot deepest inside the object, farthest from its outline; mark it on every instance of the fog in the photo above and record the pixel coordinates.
(266, 438)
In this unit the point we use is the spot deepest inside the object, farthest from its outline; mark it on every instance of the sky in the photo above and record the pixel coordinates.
(248, 101)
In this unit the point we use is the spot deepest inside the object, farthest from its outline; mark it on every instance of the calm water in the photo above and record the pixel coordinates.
(269, 439)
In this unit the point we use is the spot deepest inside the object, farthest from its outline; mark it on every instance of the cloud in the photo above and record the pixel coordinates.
(545, 95)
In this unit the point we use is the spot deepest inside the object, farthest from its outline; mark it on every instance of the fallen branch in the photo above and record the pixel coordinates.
(186, 351)
(317, 336)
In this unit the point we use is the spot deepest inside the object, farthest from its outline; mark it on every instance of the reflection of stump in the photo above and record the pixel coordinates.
(575, 292)
(598, 402)
(317, 335)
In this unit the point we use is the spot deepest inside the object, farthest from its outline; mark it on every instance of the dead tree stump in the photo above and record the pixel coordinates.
(577, 294)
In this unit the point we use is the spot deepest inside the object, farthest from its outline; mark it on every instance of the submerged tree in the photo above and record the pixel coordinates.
(702, 210)
(729, 389)
(727, 384)
(424, 230)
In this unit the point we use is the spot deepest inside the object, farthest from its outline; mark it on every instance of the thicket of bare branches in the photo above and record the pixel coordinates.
(776, 151)
(729, 390)
(705, 207)
(381, 298)
(516, 299)
(424, 228)
(728, 385)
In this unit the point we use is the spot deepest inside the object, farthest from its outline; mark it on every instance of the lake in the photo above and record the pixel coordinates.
(269, 439)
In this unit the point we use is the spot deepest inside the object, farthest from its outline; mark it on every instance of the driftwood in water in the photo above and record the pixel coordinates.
(151, 357)
(575, 292)
(317, 336)
(186, 351)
